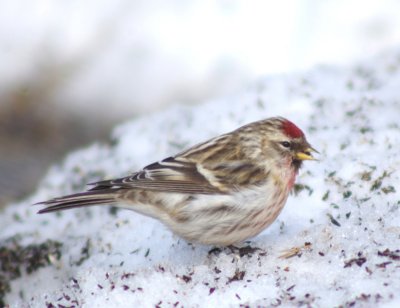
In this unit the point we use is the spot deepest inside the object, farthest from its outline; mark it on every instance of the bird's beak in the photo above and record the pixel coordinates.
(306, 154)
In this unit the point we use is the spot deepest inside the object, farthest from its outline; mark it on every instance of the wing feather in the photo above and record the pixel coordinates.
(212, 167)
(169, 175)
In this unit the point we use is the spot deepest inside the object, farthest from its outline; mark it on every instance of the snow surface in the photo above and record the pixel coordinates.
(345, 222)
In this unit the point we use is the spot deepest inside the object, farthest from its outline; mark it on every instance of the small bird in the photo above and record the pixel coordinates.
(219, 192)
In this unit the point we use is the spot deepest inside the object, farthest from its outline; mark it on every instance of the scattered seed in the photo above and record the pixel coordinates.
(394, 255)
(290, 288)
(186, 278)
(359, 261)
(239, 275)
(383, 265)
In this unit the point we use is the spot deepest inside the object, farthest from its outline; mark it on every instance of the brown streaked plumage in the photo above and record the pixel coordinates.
(219, 192)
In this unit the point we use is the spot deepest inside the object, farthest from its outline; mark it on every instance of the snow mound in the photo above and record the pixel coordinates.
(340, 227)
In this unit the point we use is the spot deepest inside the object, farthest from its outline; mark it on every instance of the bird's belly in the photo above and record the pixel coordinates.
(225, 220)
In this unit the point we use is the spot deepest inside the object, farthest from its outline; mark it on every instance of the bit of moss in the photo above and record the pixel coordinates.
(113, 210)
(260, 104)
(331, 174)
(298, 188)
(84, 253)
(17, 217)
(333, 220)
(16, 259)
(347, 194)
(77, 169)
(365, 129)
(326, 195)
(378, 182)
(334, 205)
(366, 176)
(312, 129)
(388, 189)
(350, 86)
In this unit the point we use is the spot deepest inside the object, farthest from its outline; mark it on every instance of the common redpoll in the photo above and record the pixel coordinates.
(220, 192)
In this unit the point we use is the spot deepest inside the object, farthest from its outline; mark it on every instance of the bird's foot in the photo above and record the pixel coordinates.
(240, 251)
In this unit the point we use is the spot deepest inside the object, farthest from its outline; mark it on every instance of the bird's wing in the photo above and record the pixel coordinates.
(212, 167)
(169, 175)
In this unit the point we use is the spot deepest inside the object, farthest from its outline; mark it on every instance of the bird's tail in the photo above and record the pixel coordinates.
(87, 198)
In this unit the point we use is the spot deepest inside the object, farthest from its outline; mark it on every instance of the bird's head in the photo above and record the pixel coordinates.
(293, 143)
(280, 140)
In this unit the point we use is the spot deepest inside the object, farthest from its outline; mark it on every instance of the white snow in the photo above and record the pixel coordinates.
(346, 219)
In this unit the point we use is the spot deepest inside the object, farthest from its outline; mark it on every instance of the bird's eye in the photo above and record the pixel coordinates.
(286, 144)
